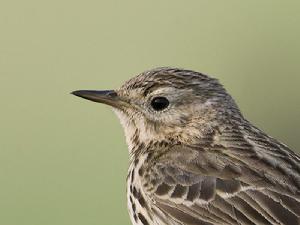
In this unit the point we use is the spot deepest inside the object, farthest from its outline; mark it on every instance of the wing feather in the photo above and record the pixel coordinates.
(240, 180)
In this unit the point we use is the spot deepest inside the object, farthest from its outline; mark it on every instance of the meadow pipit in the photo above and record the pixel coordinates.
(195, 160)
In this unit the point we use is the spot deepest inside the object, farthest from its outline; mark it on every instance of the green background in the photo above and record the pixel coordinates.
(63, 161)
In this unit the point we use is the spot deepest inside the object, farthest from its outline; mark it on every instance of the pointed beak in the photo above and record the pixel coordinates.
(108, 97)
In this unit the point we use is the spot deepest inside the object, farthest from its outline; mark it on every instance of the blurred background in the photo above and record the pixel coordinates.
(63, 160)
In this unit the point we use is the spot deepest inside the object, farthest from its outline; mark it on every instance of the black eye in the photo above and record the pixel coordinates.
(159, 103)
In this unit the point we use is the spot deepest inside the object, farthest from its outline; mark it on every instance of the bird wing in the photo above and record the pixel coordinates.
(242, 178)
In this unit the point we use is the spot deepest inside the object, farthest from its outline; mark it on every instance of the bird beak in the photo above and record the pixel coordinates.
(109, 97)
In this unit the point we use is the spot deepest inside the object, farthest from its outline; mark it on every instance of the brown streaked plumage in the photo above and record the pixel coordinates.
(195, 160)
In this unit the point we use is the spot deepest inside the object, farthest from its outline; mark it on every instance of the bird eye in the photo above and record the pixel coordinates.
(159, 103)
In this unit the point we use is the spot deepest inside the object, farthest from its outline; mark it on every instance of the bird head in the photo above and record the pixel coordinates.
(166, 104)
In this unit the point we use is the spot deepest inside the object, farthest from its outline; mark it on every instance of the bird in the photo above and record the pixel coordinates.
(195, 159)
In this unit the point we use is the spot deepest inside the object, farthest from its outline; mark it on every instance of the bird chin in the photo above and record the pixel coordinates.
(127, 125)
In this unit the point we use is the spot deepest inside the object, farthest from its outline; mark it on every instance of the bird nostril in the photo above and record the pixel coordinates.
(112, 94)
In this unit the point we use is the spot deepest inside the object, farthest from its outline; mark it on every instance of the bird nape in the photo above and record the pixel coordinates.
(194, 158)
